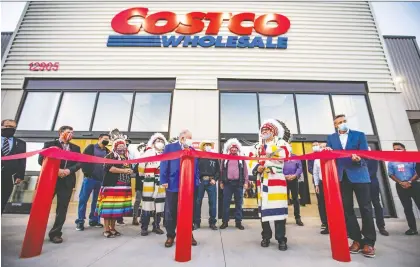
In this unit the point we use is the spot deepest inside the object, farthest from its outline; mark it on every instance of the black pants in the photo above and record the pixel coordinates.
(280, 230)
(321, 204)
(171, 213)
(294, 190)
(362, 192)
(63, 193)
(6, 189)
(379, 212)
(405, 196)
(302, 193)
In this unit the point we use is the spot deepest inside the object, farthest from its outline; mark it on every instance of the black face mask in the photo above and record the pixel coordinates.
(105, 142)
(8, 132)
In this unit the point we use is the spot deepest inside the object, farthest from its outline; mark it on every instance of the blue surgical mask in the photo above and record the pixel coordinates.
(316, 149)
(343, 127)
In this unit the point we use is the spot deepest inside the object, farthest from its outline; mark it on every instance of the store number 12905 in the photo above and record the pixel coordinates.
(42, 66)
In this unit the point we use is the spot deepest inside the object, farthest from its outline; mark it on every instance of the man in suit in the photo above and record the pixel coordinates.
(12, 171)
(65, 182)
(354, 177)
(169, 178)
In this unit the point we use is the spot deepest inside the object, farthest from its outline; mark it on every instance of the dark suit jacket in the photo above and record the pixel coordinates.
(357, 172)
(15, 167)
(70, 180)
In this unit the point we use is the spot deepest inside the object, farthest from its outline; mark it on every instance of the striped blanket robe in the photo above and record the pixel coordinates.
(272, 185)
(153, 198)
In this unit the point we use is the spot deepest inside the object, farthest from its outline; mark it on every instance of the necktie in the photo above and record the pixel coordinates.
(5, 150)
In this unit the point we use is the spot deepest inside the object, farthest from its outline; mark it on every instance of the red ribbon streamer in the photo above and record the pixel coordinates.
(57, 153)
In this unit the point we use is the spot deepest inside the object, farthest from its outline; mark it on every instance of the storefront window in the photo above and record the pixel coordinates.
(151, 112)
(278, 106)
(315, 115)
(356, 110)
(76, 110)
(38, 111)
(113, 111)
(239, 113)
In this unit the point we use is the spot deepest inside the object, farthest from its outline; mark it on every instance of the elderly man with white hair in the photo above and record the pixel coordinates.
(169, 178)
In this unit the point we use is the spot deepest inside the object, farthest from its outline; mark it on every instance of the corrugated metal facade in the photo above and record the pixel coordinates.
(327, 41)
(5, 39)
(405, 59)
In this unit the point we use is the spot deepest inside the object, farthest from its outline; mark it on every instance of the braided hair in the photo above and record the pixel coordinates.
(287, 136)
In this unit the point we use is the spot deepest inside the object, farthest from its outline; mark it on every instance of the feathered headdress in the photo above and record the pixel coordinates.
(153, 139)
(274, 126)
(232, 142)
(287, 135)
(117, 138)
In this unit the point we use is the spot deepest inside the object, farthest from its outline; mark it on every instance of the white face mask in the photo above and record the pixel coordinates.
(159, 145)
(316, 149)
(188, 142)
(207, 148)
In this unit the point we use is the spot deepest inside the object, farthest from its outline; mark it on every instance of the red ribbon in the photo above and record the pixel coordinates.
(57, 153)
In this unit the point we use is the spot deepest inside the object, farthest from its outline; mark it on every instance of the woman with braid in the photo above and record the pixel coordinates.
(271, 182)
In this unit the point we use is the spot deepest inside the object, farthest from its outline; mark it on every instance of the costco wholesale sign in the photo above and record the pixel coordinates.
(193, 23)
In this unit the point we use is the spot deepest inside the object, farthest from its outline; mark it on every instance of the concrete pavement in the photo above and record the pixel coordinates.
(230, 247)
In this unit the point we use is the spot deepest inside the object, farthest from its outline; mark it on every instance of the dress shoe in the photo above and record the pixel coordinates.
(325, 231)
(56, 240)
(411, 232)
(283, 245)
(384, 232)
(213, 227)
(135, 221)
(265, 243)
(368, 251)
(224, 226)
(169, 242)
(240, 226)
(158, 231)
(299, 222)
(144, 232)
(355, 247)
(193, 242)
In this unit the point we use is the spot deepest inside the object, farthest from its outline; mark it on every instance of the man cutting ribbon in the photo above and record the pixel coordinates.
(271, 182)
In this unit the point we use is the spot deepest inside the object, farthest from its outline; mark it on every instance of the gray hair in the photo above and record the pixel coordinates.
(184, 132)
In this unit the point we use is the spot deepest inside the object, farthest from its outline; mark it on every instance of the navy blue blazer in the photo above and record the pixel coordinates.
(170, 169)
(357, 172)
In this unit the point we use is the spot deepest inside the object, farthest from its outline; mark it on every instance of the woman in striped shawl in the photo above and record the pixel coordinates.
(271, 183)
(153, 199)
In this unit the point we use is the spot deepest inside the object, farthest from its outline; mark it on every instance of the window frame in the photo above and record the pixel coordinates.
(52, 133)
(256, 86)
(249, 93)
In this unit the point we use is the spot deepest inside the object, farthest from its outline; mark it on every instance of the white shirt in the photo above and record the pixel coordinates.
(317, 174)
(343, 139)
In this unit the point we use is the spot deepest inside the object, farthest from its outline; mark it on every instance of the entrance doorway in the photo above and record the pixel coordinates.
(250, 206)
